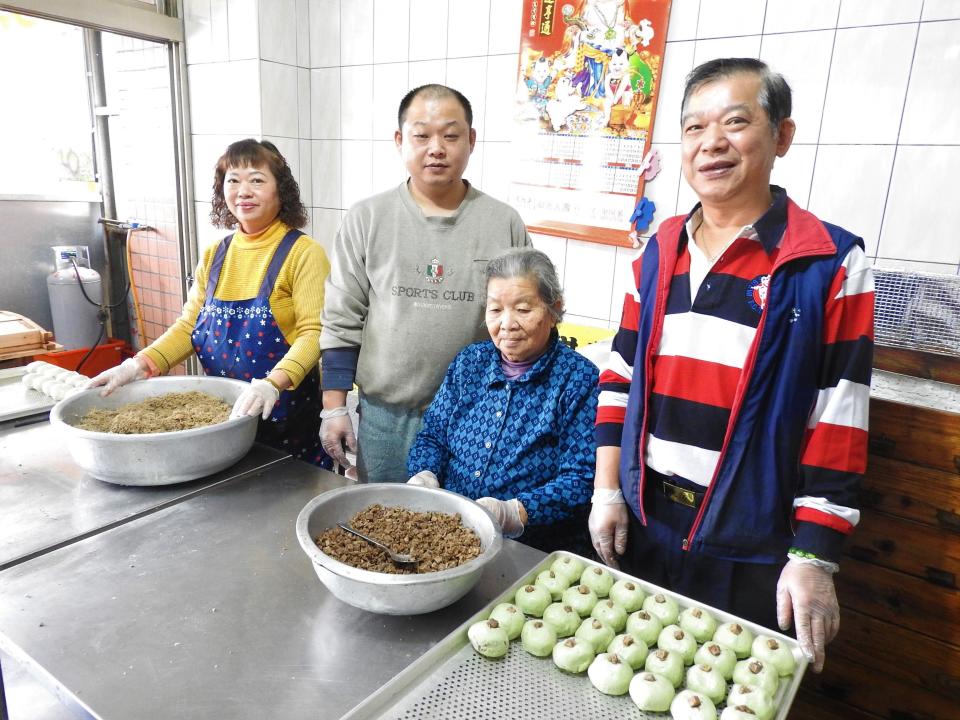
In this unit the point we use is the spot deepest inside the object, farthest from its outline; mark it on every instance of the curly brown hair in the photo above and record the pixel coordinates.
(257, 154)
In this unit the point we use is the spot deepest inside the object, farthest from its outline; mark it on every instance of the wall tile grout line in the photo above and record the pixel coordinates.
(823, 108)
(903, 110)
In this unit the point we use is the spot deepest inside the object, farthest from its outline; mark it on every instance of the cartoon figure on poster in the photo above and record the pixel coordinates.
(600, 79)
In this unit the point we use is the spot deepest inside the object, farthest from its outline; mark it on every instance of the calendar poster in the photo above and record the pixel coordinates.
(588, 80)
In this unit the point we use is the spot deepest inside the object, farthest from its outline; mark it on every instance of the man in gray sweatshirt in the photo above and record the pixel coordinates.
(406, 287)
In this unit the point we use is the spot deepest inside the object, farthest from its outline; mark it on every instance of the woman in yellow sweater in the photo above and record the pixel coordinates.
(253, 312)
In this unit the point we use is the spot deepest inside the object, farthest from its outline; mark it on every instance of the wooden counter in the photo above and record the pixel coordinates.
(898, 652)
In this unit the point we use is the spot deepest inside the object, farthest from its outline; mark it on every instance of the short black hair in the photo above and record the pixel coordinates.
(434, 90)
(775, 94)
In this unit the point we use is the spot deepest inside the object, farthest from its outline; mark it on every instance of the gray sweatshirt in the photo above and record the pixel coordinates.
(409, 290)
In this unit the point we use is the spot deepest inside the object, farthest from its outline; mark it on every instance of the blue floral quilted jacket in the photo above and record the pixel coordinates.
(530, 438)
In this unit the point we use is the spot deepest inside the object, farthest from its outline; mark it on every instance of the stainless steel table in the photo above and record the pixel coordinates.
(46, 501)
(209, 608)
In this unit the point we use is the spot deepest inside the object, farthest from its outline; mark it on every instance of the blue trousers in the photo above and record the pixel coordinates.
(655, 553)
(385, 436)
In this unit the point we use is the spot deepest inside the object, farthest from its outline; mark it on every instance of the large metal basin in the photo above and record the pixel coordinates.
(382, 592)
(155, 458)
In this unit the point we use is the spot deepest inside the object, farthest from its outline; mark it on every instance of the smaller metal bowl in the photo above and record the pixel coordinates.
(382, 592)
(155, 458)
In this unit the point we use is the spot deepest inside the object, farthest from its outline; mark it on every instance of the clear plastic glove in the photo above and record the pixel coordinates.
(258, 399)
(336, 432)
(506, 513)
(806, 598)
(424, 478)
(608, 525)
(126, 372)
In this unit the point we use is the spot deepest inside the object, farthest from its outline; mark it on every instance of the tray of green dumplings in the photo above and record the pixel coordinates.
(574, 638)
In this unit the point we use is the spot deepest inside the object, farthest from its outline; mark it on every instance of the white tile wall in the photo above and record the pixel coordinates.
(936, 61)
(803, 58)
(278, 31)
(391, 26)
(304, 103)
(356, 32)
(388, 169)
(279, 98)
(854, 13)
(324, 33)
(211, 87)
(501, 89)
(505, 16)
(922, 214)
(207, 149)
(356, 102)
(469, 76)
(683, 20)
(424, 72)
(868, 81)
(356, 170)
(730, 18)
(677, 62)
(206, 31)
(792, 16)
(243, 26)
(389, 86)
(468, 27)
(305, 151)
(849, 188)
(303, 33)
(878, 126)
(325, 103)
(325, 165)
(325, 225)
(794, 172)
(428, 29)
(588, 279)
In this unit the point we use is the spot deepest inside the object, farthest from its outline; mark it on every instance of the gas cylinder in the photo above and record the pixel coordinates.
(75, 321)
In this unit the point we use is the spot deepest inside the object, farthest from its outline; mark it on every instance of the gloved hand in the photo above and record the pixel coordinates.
(336, 431)
(257, 399)
(506, 513)
(608, 525)
(806, 597)
(126, 372)
(424, 478)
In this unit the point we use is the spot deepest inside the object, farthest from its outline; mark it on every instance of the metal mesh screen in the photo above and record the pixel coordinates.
(918, 311)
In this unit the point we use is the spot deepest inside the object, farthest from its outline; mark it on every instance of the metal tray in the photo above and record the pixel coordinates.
(452, 681)
(17, 400)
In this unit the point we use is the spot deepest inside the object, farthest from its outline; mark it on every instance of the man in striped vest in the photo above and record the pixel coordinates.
(732, 424)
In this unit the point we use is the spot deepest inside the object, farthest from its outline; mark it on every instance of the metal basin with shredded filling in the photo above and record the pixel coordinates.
(392, 594)
(155, 458)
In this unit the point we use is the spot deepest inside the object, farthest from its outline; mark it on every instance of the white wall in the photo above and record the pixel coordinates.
(875, 95)
(248, 75)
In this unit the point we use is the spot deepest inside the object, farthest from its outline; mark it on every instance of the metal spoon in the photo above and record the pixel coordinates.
(399, 558)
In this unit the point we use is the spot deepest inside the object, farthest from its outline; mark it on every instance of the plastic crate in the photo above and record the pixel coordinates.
(105, 356)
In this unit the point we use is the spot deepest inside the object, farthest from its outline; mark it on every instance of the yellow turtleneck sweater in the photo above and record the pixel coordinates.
(296, 300)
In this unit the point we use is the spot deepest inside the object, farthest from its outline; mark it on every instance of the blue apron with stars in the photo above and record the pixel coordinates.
(240, 339)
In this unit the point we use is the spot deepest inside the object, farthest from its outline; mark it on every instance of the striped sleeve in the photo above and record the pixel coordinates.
(617, 372)
(834, 456)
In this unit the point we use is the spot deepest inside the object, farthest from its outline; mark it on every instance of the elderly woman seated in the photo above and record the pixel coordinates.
(512, 424)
